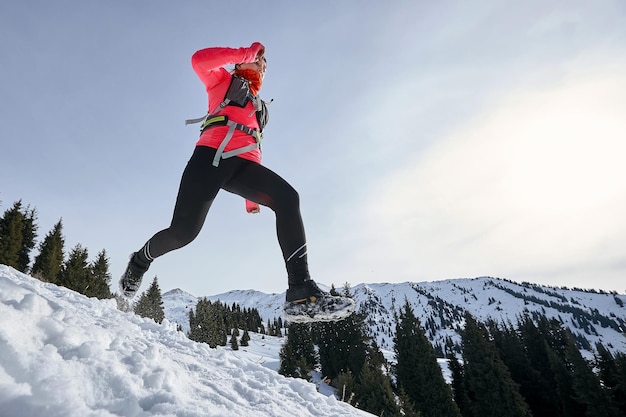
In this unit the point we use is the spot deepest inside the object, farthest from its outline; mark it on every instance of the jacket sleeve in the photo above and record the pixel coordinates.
(206, 62)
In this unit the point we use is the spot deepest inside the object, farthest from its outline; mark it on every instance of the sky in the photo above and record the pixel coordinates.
(427, 141)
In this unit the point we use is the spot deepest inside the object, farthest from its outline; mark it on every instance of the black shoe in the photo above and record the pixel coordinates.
(306, 292)
(131, 280)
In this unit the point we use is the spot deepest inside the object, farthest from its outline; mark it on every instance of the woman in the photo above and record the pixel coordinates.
(227, 156)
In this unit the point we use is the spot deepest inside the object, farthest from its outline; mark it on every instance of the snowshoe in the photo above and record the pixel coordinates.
(326, 308)
(308, 303)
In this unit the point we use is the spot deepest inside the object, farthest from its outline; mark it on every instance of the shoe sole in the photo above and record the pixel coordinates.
(326, 310)
(310, 299)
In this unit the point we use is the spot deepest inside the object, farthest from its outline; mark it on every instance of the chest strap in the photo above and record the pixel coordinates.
(222, 120)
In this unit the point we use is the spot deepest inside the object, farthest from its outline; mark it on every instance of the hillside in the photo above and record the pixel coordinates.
(591, 316)
(63, 354)
(68, 355)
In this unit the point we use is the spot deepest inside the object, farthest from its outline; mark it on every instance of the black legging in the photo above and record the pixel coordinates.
(200, 184)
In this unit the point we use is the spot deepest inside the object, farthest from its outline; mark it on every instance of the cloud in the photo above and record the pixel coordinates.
(535, 183)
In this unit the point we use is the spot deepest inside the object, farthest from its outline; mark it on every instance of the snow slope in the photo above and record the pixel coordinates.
(65, 355)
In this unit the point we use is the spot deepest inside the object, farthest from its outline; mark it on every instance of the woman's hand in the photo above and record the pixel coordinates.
(257, 50)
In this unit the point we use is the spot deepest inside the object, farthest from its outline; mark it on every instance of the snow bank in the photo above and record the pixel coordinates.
(62, 354)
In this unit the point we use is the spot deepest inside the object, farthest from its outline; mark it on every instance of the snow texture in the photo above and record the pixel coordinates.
(65, 355)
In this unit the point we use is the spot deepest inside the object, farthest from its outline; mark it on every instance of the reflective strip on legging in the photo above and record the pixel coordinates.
(300, 249)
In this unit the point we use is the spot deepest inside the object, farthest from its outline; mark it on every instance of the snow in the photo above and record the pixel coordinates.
(65, 355)
(484, 297)
(62, 354)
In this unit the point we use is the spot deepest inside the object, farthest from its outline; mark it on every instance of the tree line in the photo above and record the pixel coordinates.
(213, 322)
(18, 238)
(533, 368)
(351, 361)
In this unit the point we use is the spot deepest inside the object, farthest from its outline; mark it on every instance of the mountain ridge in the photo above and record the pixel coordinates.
(592, 316)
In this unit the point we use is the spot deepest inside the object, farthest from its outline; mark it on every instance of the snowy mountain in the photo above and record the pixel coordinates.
(63, 354)
(592, 316)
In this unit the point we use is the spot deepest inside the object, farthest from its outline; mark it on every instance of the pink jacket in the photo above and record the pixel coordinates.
(208, 64)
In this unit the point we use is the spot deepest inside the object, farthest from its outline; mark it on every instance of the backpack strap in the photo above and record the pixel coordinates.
(194, 121)
(238, 94)
(222, 120)
(205, 117)
(220, 154)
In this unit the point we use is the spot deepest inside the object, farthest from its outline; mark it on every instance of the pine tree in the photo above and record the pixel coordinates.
(458, 383)
(234, 345)
(587, 384)
(245, 338)
(17, 236)
(150, 303)
(564, 380)
(581, 393)
(196, 329)
(289, 361)
(100, 278)
(29, 235)
(253, 321)
(417, 370)
(354, 363)
(619, 392)
(490, 389)
(406, 405)
(297, 355)
(347, 387)
(612, 373)
(370, 391)
(277, 327)
(49, 263)
(11, 225)
(207, 324)
(341, 345)
(221, 319)
(606, 366)
(539, 385)
(76, 273)
(532, 382)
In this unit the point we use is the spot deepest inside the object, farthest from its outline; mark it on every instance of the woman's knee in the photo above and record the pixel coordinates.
(293, 197)
(182, 234)
(287, 201)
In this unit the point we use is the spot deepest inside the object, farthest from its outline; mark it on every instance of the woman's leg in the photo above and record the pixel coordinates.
(199, 185)
(263, 186)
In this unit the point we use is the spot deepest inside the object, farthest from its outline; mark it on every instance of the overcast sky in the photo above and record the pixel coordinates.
(427, 140)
